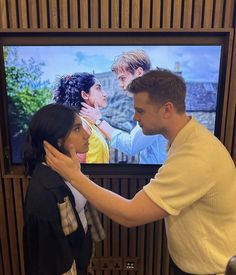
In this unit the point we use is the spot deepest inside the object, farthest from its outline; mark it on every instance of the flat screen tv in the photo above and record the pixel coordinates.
(31, 65)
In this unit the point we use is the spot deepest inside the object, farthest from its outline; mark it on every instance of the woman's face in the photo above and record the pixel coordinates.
(78, 136)
(97, 95)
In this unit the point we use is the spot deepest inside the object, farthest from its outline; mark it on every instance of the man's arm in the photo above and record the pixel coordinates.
(134, 142)
(128, 212)
(129, 143)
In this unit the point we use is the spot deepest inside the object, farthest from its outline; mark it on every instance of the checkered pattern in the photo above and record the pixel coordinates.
(97, 230)
(68, 218)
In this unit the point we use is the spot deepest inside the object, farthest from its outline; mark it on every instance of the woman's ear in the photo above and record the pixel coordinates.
(84, 95)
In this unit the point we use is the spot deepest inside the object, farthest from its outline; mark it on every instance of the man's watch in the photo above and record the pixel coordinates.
(98, 122)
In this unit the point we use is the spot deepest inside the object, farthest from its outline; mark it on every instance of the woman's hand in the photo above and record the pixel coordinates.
(67, 167)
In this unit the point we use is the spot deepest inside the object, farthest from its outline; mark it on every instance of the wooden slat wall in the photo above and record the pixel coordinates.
(83, 15)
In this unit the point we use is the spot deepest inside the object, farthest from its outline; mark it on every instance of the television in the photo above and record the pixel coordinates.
(32, 63)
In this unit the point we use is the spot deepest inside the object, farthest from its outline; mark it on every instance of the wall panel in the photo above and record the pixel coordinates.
(86, 15)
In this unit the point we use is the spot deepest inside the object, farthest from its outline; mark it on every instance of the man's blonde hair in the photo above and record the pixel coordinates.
(131, 61)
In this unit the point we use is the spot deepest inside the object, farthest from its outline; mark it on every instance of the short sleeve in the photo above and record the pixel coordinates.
(182, 180)
(46, 248)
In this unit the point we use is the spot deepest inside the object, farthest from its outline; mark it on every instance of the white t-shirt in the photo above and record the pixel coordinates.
(80, 202)
(197, 187)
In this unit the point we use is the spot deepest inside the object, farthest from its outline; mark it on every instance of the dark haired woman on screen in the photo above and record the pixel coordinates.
(76, 89)
(56, 233)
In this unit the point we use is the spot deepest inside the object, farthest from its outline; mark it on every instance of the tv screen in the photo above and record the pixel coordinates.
(32, 74)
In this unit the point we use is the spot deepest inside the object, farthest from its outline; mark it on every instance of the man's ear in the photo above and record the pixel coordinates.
(167, 110)
(139, 72)
(84, 95)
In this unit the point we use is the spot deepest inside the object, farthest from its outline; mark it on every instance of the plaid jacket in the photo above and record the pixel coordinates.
(54, 239)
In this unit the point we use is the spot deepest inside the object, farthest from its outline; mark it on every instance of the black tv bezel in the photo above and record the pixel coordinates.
(141, 37)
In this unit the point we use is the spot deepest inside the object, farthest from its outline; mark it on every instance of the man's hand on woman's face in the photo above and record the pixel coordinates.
(66, 166)
(90, 113)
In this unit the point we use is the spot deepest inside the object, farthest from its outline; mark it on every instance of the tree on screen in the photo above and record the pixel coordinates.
(25, 89)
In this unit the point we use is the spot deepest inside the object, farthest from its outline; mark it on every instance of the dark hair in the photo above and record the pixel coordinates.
(51, 123)
(162, 86)
(131, 61)
(69, 88)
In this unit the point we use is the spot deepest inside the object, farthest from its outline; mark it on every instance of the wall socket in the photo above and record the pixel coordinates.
(111, 263)
(116, 263)
(131, 264)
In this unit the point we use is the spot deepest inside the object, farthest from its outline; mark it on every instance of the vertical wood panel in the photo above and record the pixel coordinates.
(230, 130)
(22, 6)
(132, 231)
(1, 259)
(94, 13)
(149, 243)
(218, 14)
(115, 228)
(63, 14)
(18, 198)
(197, 18)
(165, 253)
(187, 13)
(141, 237)
(125, 13)
(124, 231)
(43, 14)
(33, 16)
(226, 100)
(12, 13)
(208, 11)
(135, 13)
(156, 14)
(166, 10)
(74, 21)
(107, 228)
(177, 13)
(3, 19)
(12, 227)
(25, 182)
(115, 14)
(84, 18)
(157, 259)
(104, 14)
(3, 233)
(229, 11)
(146, 14)
(53, 13)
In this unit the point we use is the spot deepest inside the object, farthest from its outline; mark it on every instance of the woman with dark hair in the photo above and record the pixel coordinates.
(56, 234)
(76, 90)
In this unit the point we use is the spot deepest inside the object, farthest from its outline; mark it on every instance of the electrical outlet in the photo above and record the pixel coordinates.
(105, 264)
(131, 263)
(95, 263)
(111, 263)
(117, 263)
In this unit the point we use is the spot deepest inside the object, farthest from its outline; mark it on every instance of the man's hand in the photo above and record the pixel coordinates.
(90, 113)
(67, 167)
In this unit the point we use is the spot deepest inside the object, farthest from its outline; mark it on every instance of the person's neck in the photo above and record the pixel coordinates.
(177, 124)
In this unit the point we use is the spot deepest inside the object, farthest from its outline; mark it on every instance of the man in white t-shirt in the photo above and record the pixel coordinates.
(194, 190)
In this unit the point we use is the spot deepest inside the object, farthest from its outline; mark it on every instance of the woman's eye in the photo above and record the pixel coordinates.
(77, 129)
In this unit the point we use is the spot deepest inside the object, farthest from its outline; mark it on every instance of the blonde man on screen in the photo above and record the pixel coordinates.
(151, 149)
